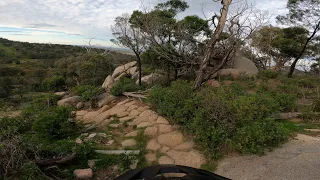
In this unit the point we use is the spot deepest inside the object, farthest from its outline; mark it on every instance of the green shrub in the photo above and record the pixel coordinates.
(216, 116)
(124, 85)
(255, 137)
(251, 108)
(316, 105)
(174, 101)
(307, 83)
(287, 102)
(31, 171)
(54, 83)
(30, 112)
(87, 92)
(55, 122)
(269, 74)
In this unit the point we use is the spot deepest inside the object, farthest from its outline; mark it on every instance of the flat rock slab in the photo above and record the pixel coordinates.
(192, 158)
(186, 146)
(117, 109)
(151, 131)
(153, 145)
(297, 159)
(171, 139)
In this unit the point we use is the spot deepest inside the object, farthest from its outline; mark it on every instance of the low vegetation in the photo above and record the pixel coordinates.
(228, 116)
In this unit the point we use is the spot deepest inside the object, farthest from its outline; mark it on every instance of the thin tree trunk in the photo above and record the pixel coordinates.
(139, 67)
(210, 46)
(293, 66)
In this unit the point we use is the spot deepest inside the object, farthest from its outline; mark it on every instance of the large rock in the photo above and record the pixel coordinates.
(124, 68)
(108, 82)
(132, 71)
(83, 173)
(149, 79)
(69, 101)
(234, 73)
(245, 65)
(105, 99)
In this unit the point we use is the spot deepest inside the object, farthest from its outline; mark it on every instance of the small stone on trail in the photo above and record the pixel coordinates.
(91, 163)
(144, 124)
(102, 135)
(165, 128)
(109, 143)
(130, 103)
(132, 107)
(78, 141)
(134, 113)
(165, 160)
(122, 114)
(151, 157)
(114, 125)
(153, 145)
(162, 120)
(134, 164)
(92, 135)
(141, 109)
(129, 143)
(171, 139)
(127, 118)
(83, 173)
(151, 131)
(186, 146)
(132, 134)
(124, 102)
(146, 113)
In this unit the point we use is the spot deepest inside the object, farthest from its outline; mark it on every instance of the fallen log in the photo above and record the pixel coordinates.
(56, 160)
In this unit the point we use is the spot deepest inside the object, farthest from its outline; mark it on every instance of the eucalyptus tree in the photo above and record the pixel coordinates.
(304, 13)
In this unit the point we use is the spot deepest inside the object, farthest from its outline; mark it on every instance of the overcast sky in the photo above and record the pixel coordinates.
(73, 21)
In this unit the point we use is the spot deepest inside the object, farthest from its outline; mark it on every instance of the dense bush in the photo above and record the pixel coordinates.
(287, 102)
(316, 105)
(55, 122)
(222, 116)
(269, 74)
(255, 137)
(307, 83)
(168, 99)
(87, 92)
(54, 83)
(124, 85)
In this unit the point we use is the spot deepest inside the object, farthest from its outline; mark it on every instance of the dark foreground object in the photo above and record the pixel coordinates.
(154, 172)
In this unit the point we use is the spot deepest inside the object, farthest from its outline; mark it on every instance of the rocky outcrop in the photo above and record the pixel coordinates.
(245, 65)
(149, 79)
(108, 82)
(70, 101)
(124, 68)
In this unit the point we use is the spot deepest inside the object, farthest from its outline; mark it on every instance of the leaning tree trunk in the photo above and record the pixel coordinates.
(212, 42)
(293, 65)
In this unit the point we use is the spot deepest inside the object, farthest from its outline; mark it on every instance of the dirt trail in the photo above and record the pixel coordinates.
(297, 159)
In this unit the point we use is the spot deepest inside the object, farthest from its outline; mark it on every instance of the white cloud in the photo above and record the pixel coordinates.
(91, 18)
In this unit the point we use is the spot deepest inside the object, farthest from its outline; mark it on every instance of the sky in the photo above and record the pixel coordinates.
(75, 21)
